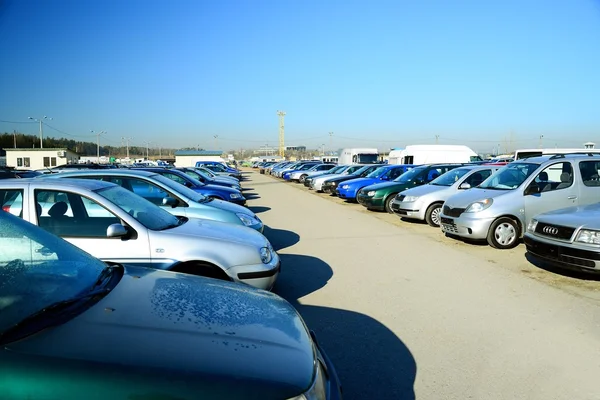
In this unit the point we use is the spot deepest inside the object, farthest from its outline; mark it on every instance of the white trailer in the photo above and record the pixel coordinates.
(358, 156)
(433, 154)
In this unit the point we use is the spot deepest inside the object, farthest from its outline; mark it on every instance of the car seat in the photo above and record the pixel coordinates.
(476, 179)
(543, 182)
(565, 180)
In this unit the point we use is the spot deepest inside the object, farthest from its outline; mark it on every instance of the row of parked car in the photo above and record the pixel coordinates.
(549, 202)
(146, 282)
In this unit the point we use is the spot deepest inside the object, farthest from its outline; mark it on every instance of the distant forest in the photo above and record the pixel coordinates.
(8, 140)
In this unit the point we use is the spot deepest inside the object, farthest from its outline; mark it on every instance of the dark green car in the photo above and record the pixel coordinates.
(380, 196)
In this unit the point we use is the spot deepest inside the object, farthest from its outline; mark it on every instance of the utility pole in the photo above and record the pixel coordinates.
(126, 139)
(281, 115)
(148, 150)
(15, 137)
(98, 144)
(40, 120)
(330, 141)
(541, 137)
(437, 138)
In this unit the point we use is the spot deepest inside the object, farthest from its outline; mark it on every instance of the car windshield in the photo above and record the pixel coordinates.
(361, 170)
(181, 189)
(409, 176)
(151, 216)
(38, 269)
(450, 177)
(379, 171)
(205, 172)
(305, 167)
(337, 169)
(509, 177)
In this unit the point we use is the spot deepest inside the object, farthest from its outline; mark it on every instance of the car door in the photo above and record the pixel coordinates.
(151, 192)
(548, 192)
(83, 222)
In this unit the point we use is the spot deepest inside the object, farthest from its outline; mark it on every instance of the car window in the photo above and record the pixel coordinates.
(510, 177)
(12, 201)
(590, 172)
(147, 190)
(554, 177)
(450, 177)
(175, 178)
(476, 178)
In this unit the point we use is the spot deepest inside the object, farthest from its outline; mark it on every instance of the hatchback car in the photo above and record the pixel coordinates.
(213, 191)
(299, 176)
(116, 225)
(316, 182)
(208, 180)
(73, 327)
(499, 209)
(381, 196)
(567, 238)
(175, 198)
(349, 189)
(331, 185)
(338, 169)
(220, 168)
(425, 202)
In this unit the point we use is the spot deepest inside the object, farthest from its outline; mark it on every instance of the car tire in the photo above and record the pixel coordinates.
(432, 215)
(504, 233)
(302, 178)
(388, 203)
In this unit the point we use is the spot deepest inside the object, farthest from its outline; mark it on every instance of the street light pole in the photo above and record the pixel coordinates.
(40, 120)
(98, 144)
(148, 150)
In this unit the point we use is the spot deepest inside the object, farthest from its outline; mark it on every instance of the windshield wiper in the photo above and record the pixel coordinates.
(52, 315)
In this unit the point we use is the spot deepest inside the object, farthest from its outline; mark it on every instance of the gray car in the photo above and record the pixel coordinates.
(116, 225)
(500, 208)
(567, 238)
(172, 196)
(425, 202)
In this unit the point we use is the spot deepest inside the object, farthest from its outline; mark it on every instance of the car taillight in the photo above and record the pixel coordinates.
(6, 208)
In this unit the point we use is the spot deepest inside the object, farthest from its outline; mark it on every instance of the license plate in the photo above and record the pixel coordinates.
(448, 221)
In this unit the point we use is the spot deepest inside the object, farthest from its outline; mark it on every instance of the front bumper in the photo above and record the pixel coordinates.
(261, 276)
(466, 225)
(564, 255)
(334, 386)
(347, 194)
(372, 203)
(408, 210)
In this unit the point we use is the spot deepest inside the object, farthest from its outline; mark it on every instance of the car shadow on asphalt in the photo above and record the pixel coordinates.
(280, 238)
(371, 361)
(258, 209)
(571, 273)
(251, 196)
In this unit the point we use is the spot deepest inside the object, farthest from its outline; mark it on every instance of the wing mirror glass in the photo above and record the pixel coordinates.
(465, 185)
(116, 230)
(170, 202)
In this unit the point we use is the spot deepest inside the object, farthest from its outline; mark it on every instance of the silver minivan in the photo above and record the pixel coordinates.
(425, 202)
(500, 208)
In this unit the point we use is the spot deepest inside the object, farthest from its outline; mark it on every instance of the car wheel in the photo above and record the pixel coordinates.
(388, 202)
(432, 215)
(504, 233)
(302, 178)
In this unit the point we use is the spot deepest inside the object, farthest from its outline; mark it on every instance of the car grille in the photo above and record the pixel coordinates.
(554, 231)
(400, 197)
(453, 212)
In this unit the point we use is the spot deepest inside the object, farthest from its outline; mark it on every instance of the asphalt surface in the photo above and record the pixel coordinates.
(404, 312)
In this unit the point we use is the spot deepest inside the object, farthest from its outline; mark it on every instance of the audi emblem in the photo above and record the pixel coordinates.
(550, 230)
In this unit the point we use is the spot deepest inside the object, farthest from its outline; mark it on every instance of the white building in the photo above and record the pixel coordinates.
(188, 158)
(39, 158)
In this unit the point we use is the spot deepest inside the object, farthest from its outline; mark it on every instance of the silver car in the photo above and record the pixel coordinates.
(116, 225)
(300, 175)
(567, 238)
(172, 196)
(317, 182)
(500, 208)
(425, 202)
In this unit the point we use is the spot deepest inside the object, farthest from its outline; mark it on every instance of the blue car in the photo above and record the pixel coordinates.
(219, 167)
(349, 189)
(212, 191)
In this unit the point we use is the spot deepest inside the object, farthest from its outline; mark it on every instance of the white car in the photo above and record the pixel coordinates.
(116, 225)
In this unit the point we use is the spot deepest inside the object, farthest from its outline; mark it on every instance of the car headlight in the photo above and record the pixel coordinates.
(479, 206)
(334, 183)
(410, 199)
(317, 389)
(371, 193)
(532, 225)
(345, 186)
(266, 255)
(588, 236)
(235, 195)
(246, 219)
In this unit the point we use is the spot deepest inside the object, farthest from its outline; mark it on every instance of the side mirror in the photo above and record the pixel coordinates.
(116, 230)
(533, 188)
(170, 202)
(385, 178)
(465, 185)
(187, 184)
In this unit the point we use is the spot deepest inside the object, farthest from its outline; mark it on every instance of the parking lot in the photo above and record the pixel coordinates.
(404, 312)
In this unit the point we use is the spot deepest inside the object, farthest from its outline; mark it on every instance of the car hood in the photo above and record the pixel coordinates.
(584, 216)
(385, 185)
(463, 199)
(327, 177)
(220, 231)
(423, 190)
(361, 181)
(229, 206)
(342, 178)
(219, 188)
(207, 336)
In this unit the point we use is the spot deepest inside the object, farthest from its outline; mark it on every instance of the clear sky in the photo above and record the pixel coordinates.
(375, 73)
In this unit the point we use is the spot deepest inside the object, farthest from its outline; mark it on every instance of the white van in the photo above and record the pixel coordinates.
(358, 156)
(433, 154)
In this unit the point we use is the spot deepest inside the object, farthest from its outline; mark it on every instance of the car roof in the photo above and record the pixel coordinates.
(104, 172)
(554, 157)
(89, 184)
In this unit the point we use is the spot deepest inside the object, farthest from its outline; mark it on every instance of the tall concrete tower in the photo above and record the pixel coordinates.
(281, 133)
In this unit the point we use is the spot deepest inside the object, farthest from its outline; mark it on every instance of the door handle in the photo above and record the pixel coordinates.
(572, 197)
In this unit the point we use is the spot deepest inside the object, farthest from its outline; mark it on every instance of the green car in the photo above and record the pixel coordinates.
(381, 195)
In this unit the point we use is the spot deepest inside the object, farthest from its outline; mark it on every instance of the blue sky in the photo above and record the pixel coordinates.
(376, 74)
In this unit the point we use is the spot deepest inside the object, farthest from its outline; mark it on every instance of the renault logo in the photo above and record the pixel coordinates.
(550, 230)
